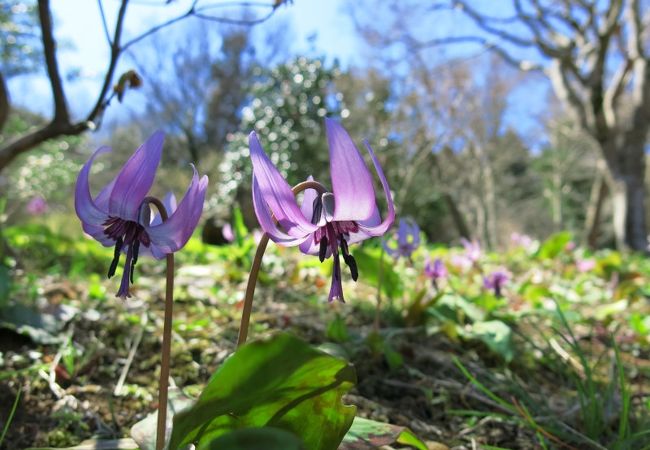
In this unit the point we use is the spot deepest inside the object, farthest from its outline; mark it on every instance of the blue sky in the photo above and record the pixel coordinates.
(318, 27)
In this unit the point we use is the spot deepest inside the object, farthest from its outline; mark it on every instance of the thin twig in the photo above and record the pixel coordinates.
(104, 24)
(257, 263)
(129, 359)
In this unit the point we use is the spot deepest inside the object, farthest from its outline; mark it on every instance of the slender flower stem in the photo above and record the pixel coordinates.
(163, 384)
(257, 263)
(380, 276)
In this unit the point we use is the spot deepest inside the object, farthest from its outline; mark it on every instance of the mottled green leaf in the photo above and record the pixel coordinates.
(368, 434)
(496, 335)
(256, 439)
(280, 382)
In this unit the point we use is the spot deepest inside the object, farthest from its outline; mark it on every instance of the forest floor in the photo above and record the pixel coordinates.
(86, 364)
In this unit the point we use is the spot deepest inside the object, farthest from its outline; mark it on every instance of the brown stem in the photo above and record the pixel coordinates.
(163, 384)
(257, 263)
(379, 279)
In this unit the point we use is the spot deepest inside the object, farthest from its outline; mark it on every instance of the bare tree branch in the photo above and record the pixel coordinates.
(615, 90)
(60, 125)
(49, 49)
(487, 45)
(482, 22)
(567, 93)
(4, 102)
(199, 12)
(104, 24)
(102, 102)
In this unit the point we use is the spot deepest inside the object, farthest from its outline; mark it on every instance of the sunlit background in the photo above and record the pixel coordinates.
(515, 139)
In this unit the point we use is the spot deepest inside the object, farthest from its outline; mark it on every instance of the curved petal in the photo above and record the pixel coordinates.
(135, 179)
(268, 224)
(171, 235)
(92, 216)
(381, 228)
(276, 192)
(307, 205)
(351, 181)
(309, 247)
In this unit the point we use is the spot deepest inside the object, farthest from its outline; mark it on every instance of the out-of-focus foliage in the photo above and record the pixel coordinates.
(48, 172)
(287, 109)
(20, 47)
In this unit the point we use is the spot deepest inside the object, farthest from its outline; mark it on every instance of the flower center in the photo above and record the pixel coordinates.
(332, 236)
(129, 234)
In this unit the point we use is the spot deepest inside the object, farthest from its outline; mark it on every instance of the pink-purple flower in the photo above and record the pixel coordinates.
(407, 239)
(585, 265)
(120, 217)
(435, 270)
(37, 206)
(472, 249)
(326, 223)
(496, 281)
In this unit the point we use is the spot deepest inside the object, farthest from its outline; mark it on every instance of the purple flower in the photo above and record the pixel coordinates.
(408, 239)
(325, 222)
(435, 270)
(472, 249)
(119, 216)
(496, 281)
(37, 206)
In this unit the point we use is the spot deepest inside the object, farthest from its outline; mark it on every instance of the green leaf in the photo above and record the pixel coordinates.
(255, 439)
(368, 434)
(457, 309)
(496, 335)
(5, 285)
(554, 245)
(239, 227)
(337, 330)
(372, 262)
(280, 382)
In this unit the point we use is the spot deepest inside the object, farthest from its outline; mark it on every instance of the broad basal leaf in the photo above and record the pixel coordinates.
(281, 382)
(368, 434)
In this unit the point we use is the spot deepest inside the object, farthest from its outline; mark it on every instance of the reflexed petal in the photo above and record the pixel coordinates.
(381, 228)
(362, 235)
(351, 180)
(135, 179)
(309, 247)
(268, 224)
(308, 197)
(91, 215)
(276, 193)
(172, 235)
(97, 233)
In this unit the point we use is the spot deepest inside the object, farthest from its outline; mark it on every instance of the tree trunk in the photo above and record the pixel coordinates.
(627, 174)
(457, 216)
(599, 191)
